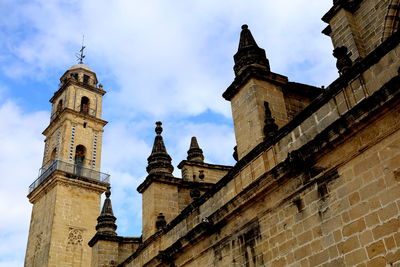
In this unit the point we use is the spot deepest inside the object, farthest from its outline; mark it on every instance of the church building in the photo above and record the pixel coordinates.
(316, 180)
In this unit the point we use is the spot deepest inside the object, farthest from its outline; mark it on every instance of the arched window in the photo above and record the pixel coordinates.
(80, 153)
(53, 155)
(85, 105)
(59, 105)
(86, 78)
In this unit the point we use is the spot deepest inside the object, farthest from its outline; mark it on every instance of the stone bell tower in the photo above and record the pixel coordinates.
(66, 195)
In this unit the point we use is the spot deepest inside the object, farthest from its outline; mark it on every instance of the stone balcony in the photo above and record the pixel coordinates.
(68, 168)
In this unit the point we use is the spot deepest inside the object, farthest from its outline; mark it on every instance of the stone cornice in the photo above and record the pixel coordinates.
(204, 165)
(76, 113)
(349, 5)
(118, 239)
(168, 179)
(79, 84)
(303, 89)
(256, 73)
(59, 178)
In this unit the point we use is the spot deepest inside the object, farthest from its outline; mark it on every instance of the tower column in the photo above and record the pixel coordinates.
(66, 195)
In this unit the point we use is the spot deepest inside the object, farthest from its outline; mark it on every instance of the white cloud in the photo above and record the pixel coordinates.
(171, 57)
(21, 147)
(158, 60)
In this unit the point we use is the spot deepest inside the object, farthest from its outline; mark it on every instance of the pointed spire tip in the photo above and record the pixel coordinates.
(195, 153)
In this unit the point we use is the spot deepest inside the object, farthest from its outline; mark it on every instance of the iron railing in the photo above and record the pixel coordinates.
(70, 168)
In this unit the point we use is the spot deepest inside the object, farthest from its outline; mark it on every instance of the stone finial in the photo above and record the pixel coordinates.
(270, 127)
(343, 62)
(195, 153)
(159, 160)
(106, 221)
(160, 221)
(249, 54)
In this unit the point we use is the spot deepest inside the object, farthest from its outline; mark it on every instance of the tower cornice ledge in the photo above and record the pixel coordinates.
(256, 73)
(58, 178)
(76, 113)
(118, 239)
(203, 164)
(350, 6)
(168, 179)
(80, 84)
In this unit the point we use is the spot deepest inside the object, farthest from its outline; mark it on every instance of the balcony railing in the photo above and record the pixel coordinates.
(69, 168)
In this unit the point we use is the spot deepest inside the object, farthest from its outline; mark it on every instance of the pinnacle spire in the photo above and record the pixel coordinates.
(195, 153)
(159, 159)
(106, 221)
(249, 53)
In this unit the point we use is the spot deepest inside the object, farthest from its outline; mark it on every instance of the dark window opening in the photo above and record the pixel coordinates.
(85, 78)
(84, 125)
(85, 105)
(80, 152)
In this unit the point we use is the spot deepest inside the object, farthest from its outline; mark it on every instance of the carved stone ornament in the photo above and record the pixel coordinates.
(38, 243)
(343, 62)
(75, 237)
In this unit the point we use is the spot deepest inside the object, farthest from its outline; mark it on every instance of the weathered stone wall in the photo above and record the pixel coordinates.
(294, 219)
(40, 230)
(346, 215)
(158, 198)
(191, 172)
(61, 240)
(295, 103)
(248, 112)
(361, 31)
(105, 254)
(71, 98)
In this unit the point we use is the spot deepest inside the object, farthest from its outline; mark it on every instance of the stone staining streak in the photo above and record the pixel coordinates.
(241, 248)
(71, 148)
(94, 150)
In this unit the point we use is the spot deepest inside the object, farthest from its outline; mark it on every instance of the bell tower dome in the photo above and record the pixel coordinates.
(66, 195)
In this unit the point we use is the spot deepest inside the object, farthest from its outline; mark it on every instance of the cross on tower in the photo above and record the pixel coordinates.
(80, 56)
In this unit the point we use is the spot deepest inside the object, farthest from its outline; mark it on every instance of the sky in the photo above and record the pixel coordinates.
(157, 60)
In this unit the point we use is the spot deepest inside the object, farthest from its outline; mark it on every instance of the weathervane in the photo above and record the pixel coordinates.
(80, 56)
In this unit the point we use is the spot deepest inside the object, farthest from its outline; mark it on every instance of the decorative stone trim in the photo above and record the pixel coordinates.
(71, 147)
(58, 142)
(75, 237)
(94, 154)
